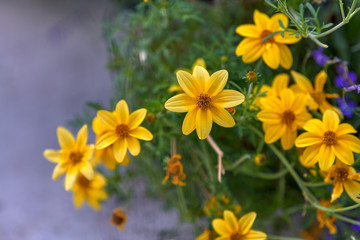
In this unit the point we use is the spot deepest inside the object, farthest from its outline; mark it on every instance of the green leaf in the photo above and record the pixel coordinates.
(311, 9)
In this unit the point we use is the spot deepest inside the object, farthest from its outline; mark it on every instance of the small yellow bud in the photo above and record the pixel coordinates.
(251, 76)
(150, 117)
(260, 159)
(223, 59)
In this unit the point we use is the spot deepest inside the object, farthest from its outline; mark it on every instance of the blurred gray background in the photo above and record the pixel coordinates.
(52, 61)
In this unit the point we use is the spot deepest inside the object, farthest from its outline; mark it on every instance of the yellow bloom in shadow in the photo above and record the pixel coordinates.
(273, 50)
(73, 158)
(230, 228)
(325, 220)
(118, 219)
(122, 131)
(327, 139)
(204, 100)
(343, 176)
(282, 117)
(92, 191)
(105, 155)
(316, 97)
(175, 170)
(206, 235)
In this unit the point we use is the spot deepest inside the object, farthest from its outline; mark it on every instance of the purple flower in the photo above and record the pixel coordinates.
(346, 107)
(356, 227)
(319, 57)
(341, 82)
(352, 88)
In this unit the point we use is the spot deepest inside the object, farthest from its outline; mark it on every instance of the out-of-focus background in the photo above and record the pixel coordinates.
(52, 61)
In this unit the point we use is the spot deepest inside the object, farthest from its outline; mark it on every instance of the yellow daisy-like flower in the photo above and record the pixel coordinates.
(92, 191)
(230, 228)
(204, 100)
(73, 158)
(325, 220)
(343, 176)
(123, 131)
(282, 117)
(105, 155)
(206, 235)
(326, 139)
(316, 97)
(274, 50)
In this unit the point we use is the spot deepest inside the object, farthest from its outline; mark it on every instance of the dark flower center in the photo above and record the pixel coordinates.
(235, 236)
(75, 157)
(266, 33)
(341, 174)
(288, 117)
(83, 181)
(122, 130)
(319, 97)
(203, 101)
(329, 138)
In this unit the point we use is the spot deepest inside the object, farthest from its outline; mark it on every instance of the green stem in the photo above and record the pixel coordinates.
(317, 184)
(239, 161)
(282, 238)
(267, 176)
(342, 9)
(346, 219)
(207, 162)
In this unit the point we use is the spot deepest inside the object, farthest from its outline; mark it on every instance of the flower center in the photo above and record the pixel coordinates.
(75, 157)
(122, 130)
(288, 117)
(341, 174)
(329, 138)
(83, 182)
(251, 76)
(203, 101)
(118, 220)
(266, 33)
(319, 97)
(235, 236)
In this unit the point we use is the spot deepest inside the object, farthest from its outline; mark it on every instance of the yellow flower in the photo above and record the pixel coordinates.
(326, 139)
(174, 170)
(325, 220)
(74, 156)
(343, 176)
(105, 155)
(232, 229)
(118, 218)
(274, 50)
(281, 117)
(260, 159)
(92, 191)
(316, 98)
(206, 235)
(122, 131)
(204, 100)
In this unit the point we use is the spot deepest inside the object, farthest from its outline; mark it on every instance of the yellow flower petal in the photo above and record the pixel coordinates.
(81, 138)
(315, 126)
(98, 127)
(108, 158)
(331, 120)
(245, 45)
(248, 30)
(326, 157)
(343, 153)
(59, 170)
(261, 20)
(126, 160)
(180, 103)
(70, 179)
(287, 98)
(246, 222)
(228, 98)
(350, 141)
(286, 58)
(274, 133)
(255, 235)
(280, 82)
(222, 238)
(202, 77)
(136, 118)
(189, 123)
(288, 139)
(307, 139)
(254, 51)
(221, 227)
(119, 149)
(345, 128)
(87, 171)
(289, 38)
(271, 103)
(203, 123)
(268, 116)
(187, 83)
(133, 145)
(217, 82)
(311, 155)
(52, 155)
(231, 221)
(78, 199)
(141, 133)
(274, 24)
(303, 83)
(337, 191)
(352, 189)
(122, 112)
(320, 81)
(271, 56)
(222, 117)
(65, 138)
(106, 140)
(199, 62)
(107, 118)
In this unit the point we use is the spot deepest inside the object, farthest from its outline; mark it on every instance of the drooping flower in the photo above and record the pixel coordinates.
(73, 158)
(319, 57)
(346, 107)
(260, 159)
(316, 97)
(230, 228)
(325, 220)
(174, 170)
(122, 131)
(282, 117)
(327, 139)
(274, 50)
(92, 191)
(204, 100)
(118, 218)
(343, 177)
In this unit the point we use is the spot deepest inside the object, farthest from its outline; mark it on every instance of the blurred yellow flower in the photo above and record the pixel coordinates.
(327, 139)
(206, 235)
(282, 117)
(73, 158)
(273, 50)
(343, 176)
(325, 220)
(118, 218)
(92, 191)
(230, 228)
(174, 170)
(260, 159)
(316, 97)
(204, 101)
(122, 131)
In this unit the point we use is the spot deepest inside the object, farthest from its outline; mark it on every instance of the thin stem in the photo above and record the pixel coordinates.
(342, 9)
(221, 170)
(346, 219)
(317, 184)
(282, 238)
(207, 162)
(239, 161)
(267, 176)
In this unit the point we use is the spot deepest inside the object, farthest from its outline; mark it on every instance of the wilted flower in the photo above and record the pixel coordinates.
(174, 170)
(118, 218)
